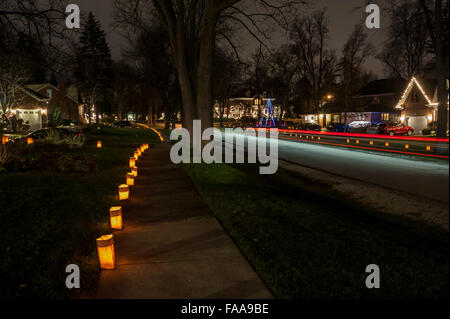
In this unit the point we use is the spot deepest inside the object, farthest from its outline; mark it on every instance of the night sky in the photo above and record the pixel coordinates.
(343, 14)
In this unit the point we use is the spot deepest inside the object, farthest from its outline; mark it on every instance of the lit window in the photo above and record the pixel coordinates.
(49, 93)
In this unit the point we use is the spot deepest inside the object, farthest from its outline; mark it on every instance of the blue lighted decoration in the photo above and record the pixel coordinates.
(269, 119)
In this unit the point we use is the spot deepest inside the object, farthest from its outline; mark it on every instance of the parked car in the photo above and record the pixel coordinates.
(337, 127)
(377, 128)
(398, 129)
(359, 126)
(309, 127)
(431, 129)
(122, 124)
(288, 125)
(69, 123)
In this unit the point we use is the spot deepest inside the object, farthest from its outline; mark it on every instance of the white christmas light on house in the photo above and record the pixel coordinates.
(408, 90)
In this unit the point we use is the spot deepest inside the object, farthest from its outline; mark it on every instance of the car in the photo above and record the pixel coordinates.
(122, 124)
(337, 127)
(68, 123)
(309, 127)
(430, 129)
(287, 125)
(359, 126)
(398, 129)
(377, 128)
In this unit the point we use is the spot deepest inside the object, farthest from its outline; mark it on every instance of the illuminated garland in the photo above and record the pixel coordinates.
(408, 90)
(151, 128)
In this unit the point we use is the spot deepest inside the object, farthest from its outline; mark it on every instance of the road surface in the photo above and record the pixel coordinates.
(428, 178)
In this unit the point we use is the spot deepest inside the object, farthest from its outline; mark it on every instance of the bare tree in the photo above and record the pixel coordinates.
(150, 52)
(437, 25)
(405, 49)
(282, 73)
(193, 27)
(13, 76)
(227, 79)
(42, 20)
(257, 75)
(356, 51)
(317, 64)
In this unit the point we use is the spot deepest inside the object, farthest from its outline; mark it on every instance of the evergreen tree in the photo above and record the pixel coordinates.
(94, 70)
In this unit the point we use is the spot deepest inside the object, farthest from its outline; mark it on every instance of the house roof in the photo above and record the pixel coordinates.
(250, 94)
(332, 107)
(39, 86)
(426, 86)
(382, 108)
(392, 86)
(37, 96)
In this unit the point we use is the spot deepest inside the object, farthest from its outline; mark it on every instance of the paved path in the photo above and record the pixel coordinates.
(172, 246)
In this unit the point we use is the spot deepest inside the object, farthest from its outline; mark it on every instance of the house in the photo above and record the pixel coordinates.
(375, 103)
(33, 109)
(378, 99)
(60, 106)
(44, 103)
(418, 103)
(249, 104)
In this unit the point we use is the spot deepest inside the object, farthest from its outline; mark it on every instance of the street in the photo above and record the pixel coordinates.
(422, 177)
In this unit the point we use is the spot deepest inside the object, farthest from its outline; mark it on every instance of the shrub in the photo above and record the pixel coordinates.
(55, 163)
(54, 137)
(10, 151)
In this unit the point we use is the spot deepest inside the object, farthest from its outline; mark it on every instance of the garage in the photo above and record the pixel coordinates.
(418, 123)
(33, 117)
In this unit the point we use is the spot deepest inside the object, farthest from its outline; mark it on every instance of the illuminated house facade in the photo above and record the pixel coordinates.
(248, 104)
(44, 102)
(418, 103)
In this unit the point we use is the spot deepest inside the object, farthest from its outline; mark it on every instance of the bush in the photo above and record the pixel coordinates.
(56, 138)
(10, 151)
(53, 162)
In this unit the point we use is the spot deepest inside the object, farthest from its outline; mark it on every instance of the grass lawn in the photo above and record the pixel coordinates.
(49, 220)
(306, 241)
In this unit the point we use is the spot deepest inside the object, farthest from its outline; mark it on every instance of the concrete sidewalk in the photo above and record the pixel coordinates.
(172, 246)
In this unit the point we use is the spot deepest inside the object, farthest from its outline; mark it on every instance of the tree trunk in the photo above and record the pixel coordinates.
(441, 70)
(89, 113)
(436, 33)
(205, 66)
(221, 111)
